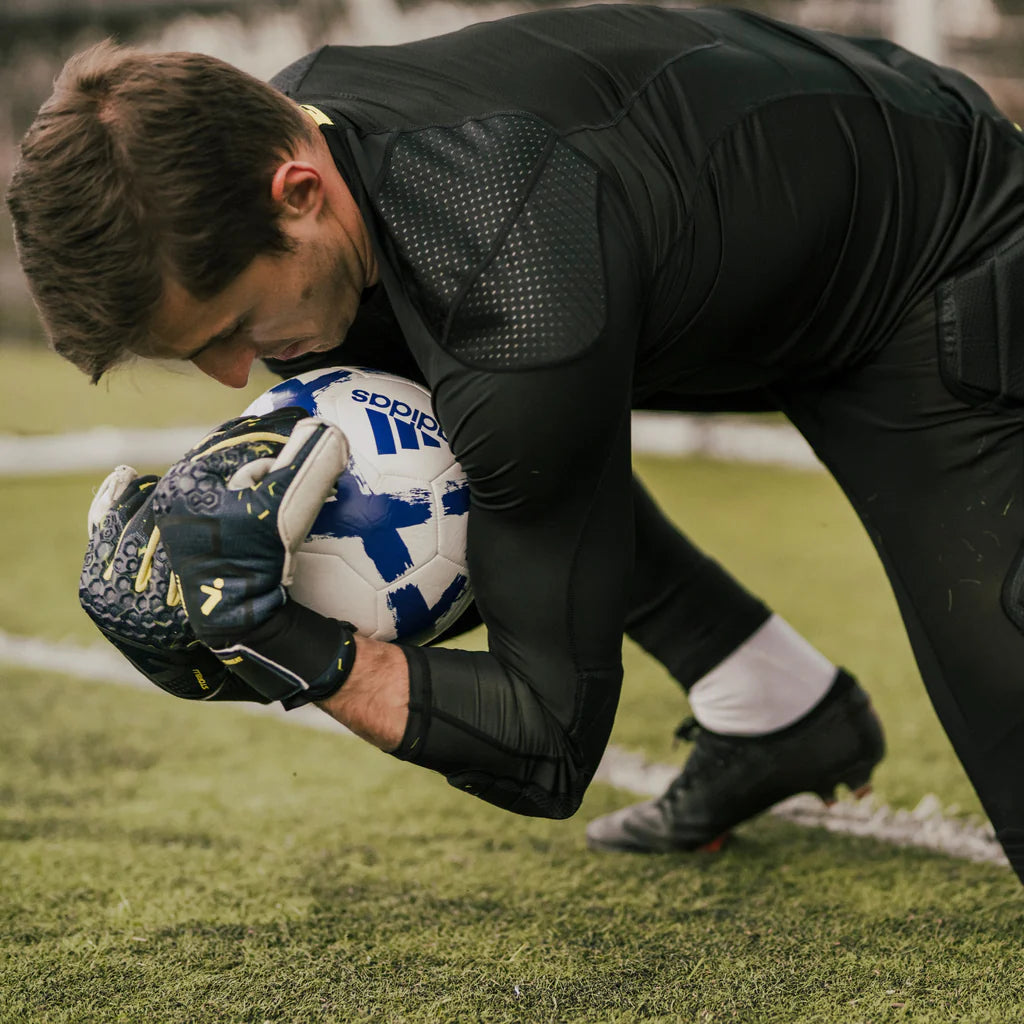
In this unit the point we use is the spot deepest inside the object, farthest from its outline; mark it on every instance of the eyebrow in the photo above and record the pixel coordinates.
(219, 336)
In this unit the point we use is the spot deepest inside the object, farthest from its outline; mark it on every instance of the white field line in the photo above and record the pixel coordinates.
(926, 826)
(104, 665)
(717, 437)
(102, 448)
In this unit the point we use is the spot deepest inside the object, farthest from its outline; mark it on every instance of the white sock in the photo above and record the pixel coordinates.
(772, 679)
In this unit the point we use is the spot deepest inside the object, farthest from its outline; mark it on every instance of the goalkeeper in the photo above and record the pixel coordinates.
(550, 220)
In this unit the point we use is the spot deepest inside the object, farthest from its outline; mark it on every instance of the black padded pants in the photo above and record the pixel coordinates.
(934, 466)
(685, 609)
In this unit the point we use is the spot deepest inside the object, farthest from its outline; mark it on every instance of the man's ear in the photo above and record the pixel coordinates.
(297, 189)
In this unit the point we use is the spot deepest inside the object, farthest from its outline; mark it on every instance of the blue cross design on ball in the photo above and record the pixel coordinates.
(414, 616)
(304, 394)
(375, 519)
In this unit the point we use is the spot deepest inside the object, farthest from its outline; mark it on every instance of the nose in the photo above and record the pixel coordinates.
(229, 364)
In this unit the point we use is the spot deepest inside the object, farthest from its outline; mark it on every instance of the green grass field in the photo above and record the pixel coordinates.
(165, 862)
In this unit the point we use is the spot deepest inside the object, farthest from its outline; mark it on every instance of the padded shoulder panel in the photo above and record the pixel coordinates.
(541, 300)
(449, 195)
(496, 223)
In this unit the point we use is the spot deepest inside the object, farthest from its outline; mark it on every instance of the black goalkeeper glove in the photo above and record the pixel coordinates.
(128, 590)
(231, 534)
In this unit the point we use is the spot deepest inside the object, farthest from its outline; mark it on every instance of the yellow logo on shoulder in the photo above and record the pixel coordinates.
(213, 595)
(316, 113)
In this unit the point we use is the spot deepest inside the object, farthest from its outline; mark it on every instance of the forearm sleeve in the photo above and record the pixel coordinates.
(537, 766)
(524, 725)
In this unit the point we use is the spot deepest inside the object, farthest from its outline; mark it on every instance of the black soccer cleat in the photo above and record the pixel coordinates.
(729, 779)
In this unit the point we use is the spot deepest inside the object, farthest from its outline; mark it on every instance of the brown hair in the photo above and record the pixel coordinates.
(140, 166)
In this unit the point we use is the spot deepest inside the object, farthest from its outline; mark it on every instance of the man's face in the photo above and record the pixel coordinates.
(281, 306)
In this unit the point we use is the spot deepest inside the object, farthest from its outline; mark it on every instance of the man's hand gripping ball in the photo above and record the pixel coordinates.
(232, 532)
(128, 590)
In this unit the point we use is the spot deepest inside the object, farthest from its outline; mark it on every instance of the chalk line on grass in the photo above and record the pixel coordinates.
(101, 448)
(723, 439)
(926, 826)
(105, 665)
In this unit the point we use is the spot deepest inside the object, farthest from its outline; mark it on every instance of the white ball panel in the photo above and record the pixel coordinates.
(349, 551)
(331, 587)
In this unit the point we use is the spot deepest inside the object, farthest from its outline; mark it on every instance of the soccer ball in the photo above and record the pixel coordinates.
(388, 550)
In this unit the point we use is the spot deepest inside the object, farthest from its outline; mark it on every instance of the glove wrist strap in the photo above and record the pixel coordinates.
(297, 656)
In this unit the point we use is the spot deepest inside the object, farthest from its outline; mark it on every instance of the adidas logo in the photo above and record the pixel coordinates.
(396, 424)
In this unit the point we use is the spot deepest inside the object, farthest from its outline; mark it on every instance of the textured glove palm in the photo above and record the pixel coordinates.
(129, 592)
(232, 533)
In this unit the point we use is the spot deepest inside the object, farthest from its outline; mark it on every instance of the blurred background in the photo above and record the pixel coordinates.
(985, 38)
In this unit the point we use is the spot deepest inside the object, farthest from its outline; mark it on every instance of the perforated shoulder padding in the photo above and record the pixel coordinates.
(496, 222)
(542, 298)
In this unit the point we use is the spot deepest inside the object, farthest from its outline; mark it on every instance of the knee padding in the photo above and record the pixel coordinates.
(981, 323)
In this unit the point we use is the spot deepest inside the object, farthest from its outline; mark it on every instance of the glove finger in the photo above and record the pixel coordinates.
(224, 432)
(306, 435)
(108, 492)
(304, 438)
(272, 427)
(285, 418)
(315, 456)
(136, 494)
(307, 469)
(250, 474)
